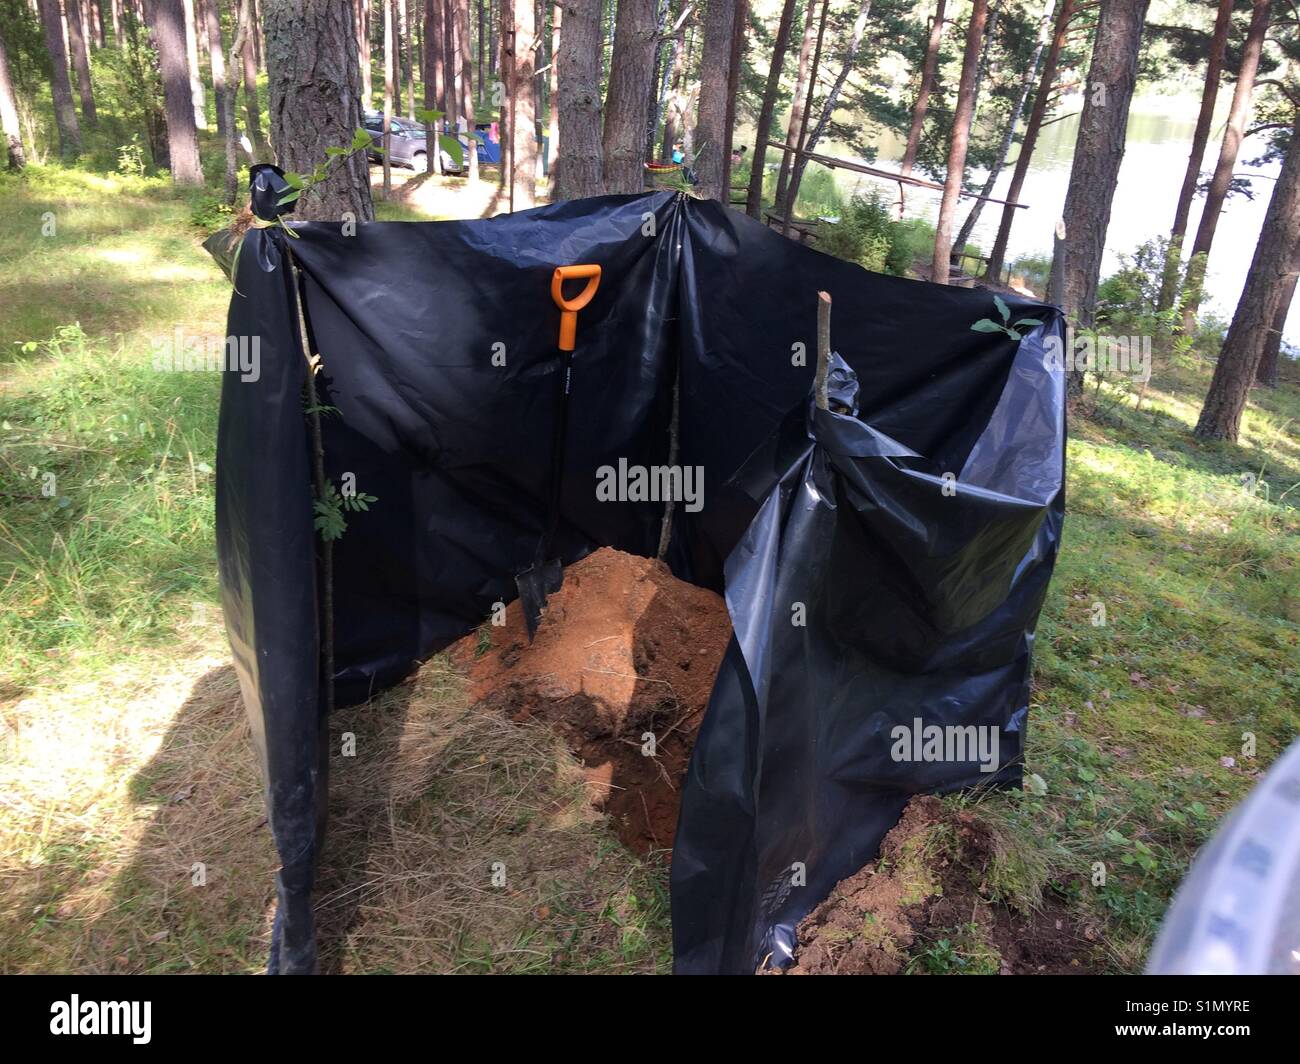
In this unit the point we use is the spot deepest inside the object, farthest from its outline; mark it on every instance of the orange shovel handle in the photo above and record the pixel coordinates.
(569, 307)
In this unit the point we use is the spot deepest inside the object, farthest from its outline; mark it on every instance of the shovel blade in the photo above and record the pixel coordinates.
(535, 583)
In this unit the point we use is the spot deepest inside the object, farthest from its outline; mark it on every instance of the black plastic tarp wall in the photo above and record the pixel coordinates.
(883, 567)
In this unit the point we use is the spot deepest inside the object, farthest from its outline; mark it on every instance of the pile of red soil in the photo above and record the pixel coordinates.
(624, 649)
(925, 888)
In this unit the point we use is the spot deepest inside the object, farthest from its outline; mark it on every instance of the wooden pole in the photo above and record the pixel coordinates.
(823, 350)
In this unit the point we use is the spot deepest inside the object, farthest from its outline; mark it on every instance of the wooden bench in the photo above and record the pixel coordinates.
(805, 228)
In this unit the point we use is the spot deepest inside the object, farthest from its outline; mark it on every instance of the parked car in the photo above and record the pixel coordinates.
(408, 148)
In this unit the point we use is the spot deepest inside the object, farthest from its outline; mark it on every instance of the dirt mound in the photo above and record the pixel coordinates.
(624, 651)
(922, 907)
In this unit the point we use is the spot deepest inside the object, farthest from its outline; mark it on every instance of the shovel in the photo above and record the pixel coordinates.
(546, 574)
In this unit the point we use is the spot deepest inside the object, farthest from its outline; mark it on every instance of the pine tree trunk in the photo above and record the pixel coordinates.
(1267, 373)
(518, 39)
(733, 90)
(1200, 137)
(1037, 113)
(363, 44)
(1098, 152)
(238, 48)
(14, 155)
(809, 141)
(466, 63)
(315, 94)
(182, 135)
(671, 104)
(400, 75)
(1272, 270)
(922, 104)
(451, 76)
(258, 38)
(754, 196)
(1008, 134)
(553, 91)
(216, 60)
(80, 61)
(252, 107)
(467, 86)
(794, 127)
(388, 98)
(1233, 134)
(631, 70)
(433, 80)
(198, 100)
(715, 77)
(434, 56)
(580, 161)
(960, 142)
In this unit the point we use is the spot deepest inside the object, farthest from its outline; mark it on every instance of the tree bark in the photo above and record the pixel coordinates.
(553, 92)
(1036, 115)
(1008, 134)
(631, 70)
(14, 155)
(754, 196)
(252, 107)
(580, 161)
(715, 76)
(388, 98)
(808, 142)
(960, 142)
(1233, 134)
(363, 58)
(1098, 152)
(197, 99)
(435, 72)
(315, 95)
(922, 104)
(238, 48)
(402, 66)
(466, 62)
(1271, 271)
(433, 80)
(1200, 137)
(182, 135)
(519, 40)
(671, 104)
(451, 76)
(216, 60)
(794, 128)
(1267, 373)
(80, 60)
(733, 91)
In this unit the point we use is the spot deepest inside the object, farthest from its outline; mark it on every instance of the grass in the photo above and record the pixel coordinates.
(124, 758)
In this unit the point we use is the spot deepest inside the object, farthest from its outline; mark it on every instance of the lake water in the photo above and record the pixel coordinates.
(1159, 140)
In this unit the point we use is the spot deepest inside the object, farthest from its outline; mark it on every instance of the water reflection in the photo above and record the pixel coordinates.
(1159, 138)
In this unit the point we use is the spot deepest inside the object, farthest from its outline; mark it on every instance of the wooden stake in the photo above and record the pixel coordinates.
(823, 349)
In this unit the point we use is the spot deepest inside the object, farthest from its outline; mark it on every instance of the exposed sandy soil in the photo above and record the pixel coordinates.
(624, 651)
(922, 906)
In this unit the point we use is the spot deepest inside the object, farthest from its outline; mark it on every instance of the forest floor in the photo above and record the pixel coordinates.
(126, 775)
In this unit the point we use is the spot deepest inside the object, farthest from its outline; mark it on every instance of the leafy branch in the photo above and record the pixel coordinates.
(331, 508)
(989, 325)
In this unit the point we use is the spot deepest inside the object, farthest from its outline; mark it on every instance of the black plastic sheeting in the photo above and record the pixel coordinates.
(882, 567)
